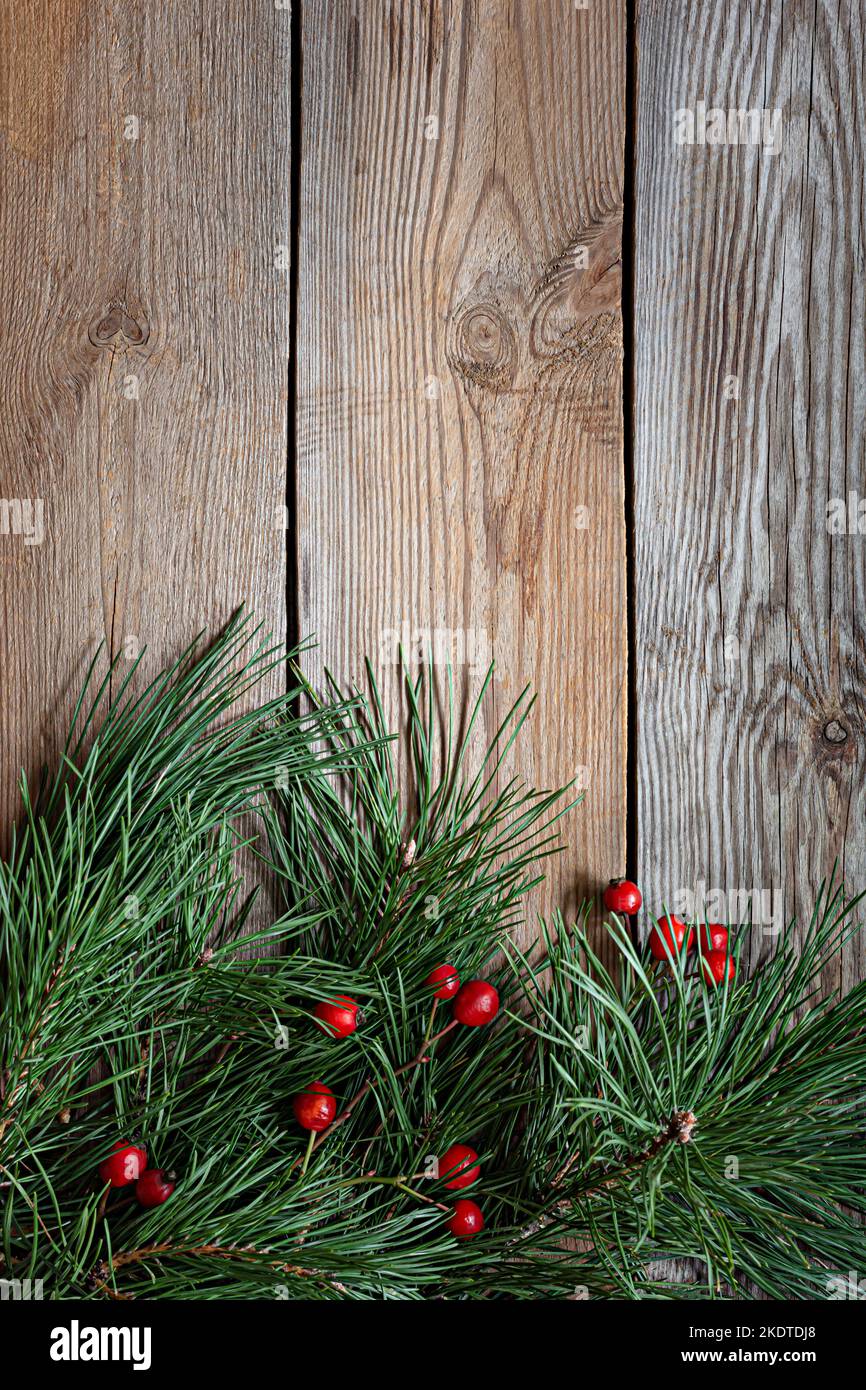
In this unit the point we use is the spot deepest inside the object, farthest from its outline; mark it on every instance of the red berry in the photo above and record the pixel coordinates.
(124, 1165)
(671, 929)
(622, 896)
(447, 978)
(337, 1017)
(467, 1220)
(715, 964)
(315, 1107)
(154, 1187)
(712, 936)
(476, 1004)
(462, 1163)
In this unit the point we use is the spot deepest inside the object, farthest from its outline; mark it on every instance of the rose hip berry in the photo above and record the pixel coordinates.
(461, 1163)
(712, 936)
(315, 1107)
(447, 979)
(466, 1220)
(670, 929)
(125, 1164)
(623, 897)
(717, 964)
(337, 1017)
(155, 1186)
(476, 1004)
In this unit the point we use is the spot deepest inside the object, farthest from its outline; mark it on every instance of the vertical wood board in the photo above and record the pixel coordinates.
(460, 470)
(144, 230)
(750, 425)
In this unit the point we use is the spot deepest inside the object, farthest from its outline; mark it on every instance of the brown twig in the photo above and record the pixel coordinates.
(44, 1010)
(678, 1131)
(101, 1273)
(220, 1056)
(565, 1167)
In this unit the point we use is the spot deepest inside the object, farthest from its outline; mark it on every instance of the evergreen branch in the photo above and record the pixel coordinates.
(184, 1023)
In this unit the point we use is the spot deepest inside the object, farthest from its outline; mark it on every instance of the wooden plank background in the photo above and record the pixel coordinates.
(145, 173)
(460, 464)
(455, 461)
(750, 399)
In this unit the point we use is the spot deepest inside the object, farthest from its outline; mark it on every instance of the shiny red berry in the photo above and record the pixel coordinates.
(476, 1004)
(467, 1219)
(712, 936)
(315, 1107)
(125, 1164)
(155, 1186)
(462, 1163)
(670, 929)
(622, 896)
(716, 964)
(446, 977)
(337, 1017)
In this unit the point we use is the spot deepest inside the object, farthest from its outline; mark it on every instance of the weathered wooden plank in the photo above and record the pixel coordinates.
(459, 393)
(143, 314)
(749, 420)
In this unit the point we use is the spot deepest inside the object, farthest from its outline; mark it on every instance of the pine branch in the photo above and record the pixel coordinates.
(135, 999)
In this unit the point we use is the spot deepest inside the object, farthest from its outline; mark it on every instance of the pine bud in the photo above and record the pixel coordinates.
(682, 1123)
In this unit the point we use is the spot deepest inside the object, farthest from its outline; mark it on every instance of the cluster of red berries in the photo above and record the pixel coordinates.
(476, 1003)
(315, 1108)
(669, 933)
(458, 1167)
(127, 1163)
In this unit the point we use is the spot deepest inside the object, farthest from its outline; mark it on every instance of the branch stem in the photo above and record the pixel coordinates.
(678, 1131)
(402, 1183)
(247, 1253)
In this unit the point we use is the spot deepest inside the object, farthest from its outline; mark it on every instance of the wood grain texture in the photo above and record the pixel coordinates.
(460, 391)
(750, 628)
(144, 161)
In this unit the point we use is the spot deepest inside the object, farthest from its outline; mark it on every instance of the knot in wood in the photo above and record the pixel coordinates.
(485, 350)
(834, 732)
(116, 328)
